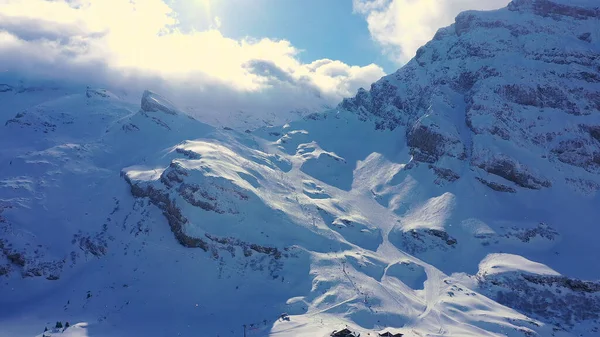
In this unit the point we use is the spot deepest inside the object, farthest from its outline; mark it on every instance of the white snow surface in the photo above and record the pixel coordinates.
(504, 263)
(446, 201)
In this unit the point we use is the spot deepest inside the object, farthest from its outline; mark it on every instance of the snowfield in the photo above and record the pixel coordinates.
(457, 197)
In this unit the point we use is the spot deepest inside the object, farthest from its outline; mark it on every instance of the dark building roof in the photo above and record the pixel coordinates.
(343, 333)
(389, 334)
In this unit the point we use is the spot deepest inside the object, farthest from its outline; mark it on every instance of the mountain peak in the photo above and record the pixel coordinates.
(578, 9)
(153, 102)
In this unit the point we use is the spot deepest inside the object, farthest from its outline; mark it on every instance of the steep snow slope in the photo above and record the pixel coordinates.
(457, 197)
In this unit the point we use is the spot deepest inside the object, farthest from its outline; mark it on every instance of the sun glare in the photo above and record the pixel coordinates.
(206, 6)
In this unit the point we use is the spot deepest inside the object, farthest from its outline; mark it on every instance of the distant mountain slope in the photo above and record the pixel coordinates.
(457, 197)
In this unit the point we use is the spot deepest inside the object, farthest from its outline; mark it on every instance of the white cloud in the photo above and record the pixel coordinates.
(402, 26)
(136, 43)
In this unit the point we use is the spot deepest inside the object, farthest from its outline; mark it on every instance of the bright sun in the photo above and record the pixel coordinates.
(205, 5)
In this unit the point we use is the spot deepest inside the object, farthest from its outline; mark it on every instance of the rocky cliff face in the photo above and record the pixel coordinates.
(513, 93)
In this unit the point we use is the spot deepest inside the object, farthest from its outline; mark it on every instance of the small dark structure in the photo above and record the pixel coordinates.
(344, 333)
(389, 334)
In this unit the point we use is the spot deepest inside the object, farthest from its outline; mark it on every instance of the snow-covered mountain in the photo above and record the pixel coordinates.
(457, 197)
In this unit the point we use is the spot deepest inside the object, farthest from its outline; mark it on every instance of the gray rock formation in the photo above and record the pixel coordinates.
(152, 102)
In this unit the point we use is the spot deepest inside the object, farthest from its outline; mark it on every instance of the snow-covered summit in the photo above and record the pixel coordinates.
(153, 102)
(579, 9)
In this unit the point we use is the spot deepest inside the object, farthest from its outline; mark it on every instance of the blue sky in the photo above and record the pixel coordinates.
(320, 28)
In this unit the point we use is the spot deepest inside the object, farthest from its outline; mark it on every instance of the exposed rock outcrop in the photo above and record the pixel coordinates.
(419, 241)
(559, 300)
(515, 172)
(152, 102)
